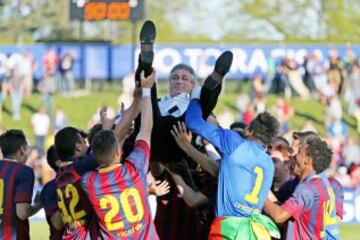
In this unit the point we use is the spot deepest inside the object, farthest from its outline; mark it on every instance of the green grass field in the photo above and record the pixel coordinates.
(40, 230)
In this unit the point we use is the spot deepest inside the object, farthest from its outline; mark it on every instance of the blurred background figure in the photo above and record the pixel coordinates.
(40, 122)
(67, 81)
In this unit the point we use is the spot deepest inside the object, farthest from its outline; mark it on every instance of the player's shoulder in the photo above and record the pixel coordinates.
(49, 187)
(335, 183)
(89, 178)
(24, 170)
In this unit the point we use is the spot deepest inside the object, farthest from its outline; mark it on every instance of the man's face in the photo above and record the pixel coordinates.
(25, 152)
(180, 82)
(81, 146)
(301, 160)
(295, 145)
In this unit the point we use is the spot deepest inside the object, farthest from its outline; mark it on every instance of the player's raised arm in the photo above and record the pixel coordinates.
(224, 140)
(129, 116)
(146, 109)
(183, 139)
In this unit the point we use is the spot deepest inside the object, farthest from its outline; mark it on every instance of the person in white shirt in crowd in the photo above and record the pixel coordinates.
(40, 122)
(27, 68)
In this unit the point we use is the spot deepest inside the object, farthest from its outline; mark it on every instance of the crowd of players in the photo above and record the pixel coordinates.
(210, 183)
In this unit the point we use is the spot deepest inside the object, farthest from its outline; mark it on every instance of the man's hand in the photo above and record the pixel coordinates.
(148, 82)
(159, 188)
(106, 122)
(181, 135)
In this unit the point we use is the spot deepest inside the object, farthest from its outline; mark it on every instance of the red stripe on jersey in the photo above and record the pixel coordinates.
(7, 226)
(9, 200)
(175, 226)
(135, 180)
(319, 224)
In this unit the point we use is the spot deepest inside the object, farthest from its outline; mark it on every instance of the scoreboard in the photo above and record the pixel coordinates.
(116, 10)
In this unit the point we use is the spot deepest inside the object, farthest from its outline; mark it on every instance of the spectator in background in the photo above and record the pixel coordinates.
(353, 86)
(249, 113)
(60, 120)
(50, 62)
(47, 88)
(16, 84)
(282, 112)
(258, 88)
(67, 82)
(40, 122)
(27, 68)
(297, 85)
(351, 152)
(343, 177)
(242, 102)
(335, 74)
(307, 77)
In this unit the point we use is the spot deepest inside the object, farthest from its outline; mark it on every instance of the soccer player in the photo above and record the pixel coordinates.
(118, 192)
(74, 161)
(49, 198)
(75, 210)
(246, 173)
(307, 211)
(16, 187)
(335, 190)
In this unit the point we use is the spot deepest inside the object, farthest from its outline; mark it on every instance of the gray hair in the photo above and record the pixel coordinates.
(186, 67)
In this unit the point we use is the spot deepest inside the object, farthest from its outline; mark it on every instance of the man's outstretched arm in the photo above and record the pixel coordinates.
(224, 140)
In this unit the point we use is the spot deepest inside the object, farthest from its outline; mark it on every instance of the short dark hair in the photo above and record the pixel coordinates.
(65, 142)
(302, 136)
(93, 131)
(240, 125)
(104, 146)
(11, 141)
(51, 158)
(264, 127)
(319, 152)
(282, 145)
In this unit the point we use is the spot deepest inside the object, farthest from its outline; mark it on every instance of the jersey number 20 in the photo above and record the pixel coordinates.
(132, 215)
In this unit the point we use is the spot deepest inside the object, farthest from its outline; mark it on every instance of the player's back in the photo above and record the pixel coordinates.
(245, 180)
(310, 224)
(118, 195)
(339, 196)
(75, 208)
(49, 198)
(15, 181)
(331, 225)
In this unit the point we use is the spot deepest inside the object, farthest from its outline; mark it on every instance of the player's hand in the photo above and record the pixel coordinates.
(106, 122)
(159, 188)
(181, 135)
(148, 82)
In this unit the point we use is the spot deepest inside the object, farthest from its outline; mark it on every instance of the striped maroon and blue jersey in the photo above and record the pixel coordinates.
(118, 195)
(306, 206)
(50, 200)
(16, 186)
(339, 196)
(75, 209)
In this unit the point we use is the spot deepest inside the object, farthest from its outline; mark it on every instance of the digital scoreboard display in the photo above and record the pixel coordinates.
(116, 10)
(95, 11)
